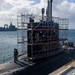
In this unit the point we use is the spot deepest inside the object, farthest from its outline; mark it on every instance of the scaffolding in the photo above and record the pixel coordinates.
(21, 34)
(42, 39)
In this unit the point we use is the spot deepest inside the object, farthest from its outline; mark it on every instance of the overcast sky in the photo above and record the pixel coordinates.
(61, 8)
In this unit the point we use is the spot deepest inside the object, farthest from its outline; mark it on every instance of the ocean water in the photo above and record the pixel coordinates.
(8, 41)
(71, 35)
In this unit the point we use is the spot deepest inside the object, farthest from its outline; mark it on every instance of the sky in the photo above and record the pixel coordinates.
(9, 9)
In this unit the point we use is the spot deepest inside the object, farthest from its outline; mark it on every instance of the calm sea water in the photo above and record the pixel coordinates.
(71, 35)
(8, 41)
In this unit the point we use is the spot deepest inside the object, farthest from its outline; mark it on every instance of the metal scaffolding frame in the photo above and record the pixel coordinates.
(21, 34)
(48, 47)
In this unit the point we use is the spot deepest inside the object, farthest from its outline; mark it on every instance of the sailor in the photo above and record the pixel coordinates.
(31, 20)
(15, 55)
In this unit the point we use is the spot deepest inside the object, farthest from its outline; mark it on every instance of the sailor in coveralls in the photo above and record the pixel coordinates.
(15, 55)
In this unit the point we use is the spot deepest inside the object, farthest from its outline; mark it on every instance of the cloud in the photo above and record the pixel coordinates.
(66, 9)
(9, 9)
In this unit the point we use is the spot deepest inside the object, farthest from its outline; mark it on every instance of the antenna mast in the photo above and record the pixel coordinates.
(49, 10)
